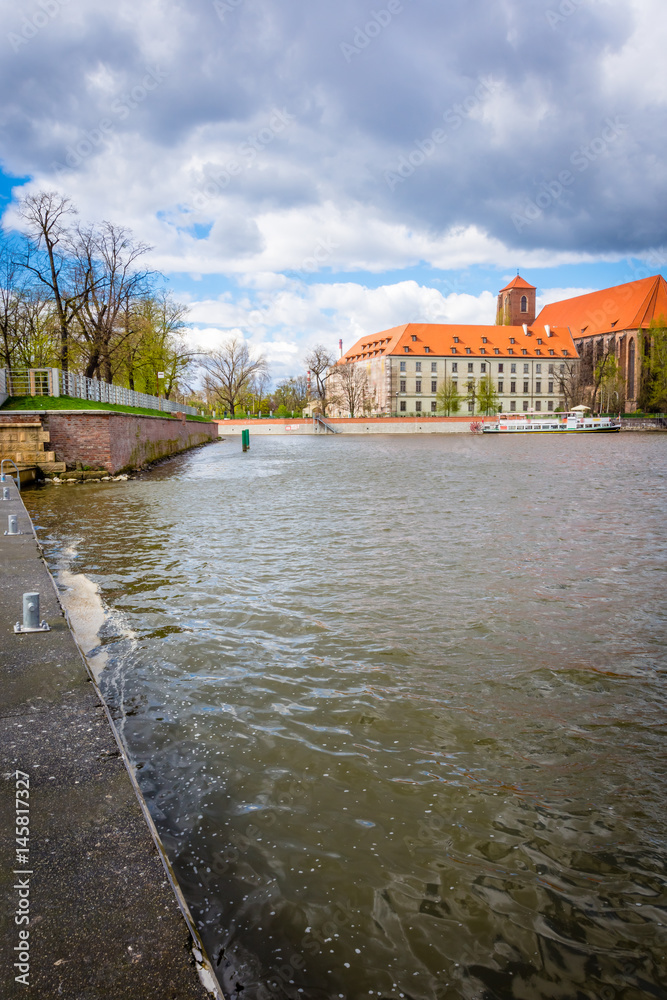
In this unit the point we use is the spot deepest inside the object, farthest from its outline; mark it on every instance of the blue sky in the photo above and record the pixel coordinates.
(308, 171)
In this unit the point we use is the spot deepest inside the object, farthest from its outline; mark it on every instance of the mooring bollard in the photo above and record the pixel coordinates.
(5, 493)
(245, 439)
(13, 525)
(31, 622)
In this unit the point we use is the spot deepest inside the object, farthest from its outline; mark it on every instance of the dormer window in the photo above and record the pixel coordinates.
(510, 350)
(427, 350)
(483, 340)
(565, 353)
(551, 351)
(453, 350)
(414, 336)
(482, 350)
(538, 351)
(511, 340)
(524, 351)
(496, 350)
(407, 350)
(539, 340)
(468, 351)
(456, 340)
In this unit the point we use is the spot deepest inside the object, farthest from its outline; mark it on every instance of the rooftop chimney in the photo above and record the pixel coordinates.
(525, 329)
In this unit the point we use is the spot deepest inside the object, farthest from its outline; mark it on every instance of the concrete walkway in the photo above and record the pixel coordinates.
(104, 921)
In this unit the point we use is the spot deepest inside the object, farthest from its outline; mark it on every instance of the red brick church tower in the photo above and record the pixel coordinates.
(516, 303)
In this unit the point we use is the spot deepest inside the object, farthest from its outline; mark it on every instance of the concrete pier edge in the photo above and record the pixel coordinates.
(204, 969)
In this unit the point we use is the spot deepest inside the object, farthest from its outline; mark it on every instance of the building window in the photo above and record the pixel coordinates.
(550, 405)
(434, 366)
(418, 406)
(482, 350)
(403, 385)
(510, 350)
(551, 369)
(414, 336)
(538, 369)
(402, 406)
(631, 370)
(407, 350)
(513, 405)
(471, 366)
(427, 350)
(551, 387)
(524, 304)
(512, 386)
(455, 366)
(525, 387)
(562, 367)
(483, 366)
(496, 350)
(538, 352)
(471, 407)
(551, 351)
(526, 369)
(402, 366)
(501, 387)
(434, 385)
(512, 341)
(455, 386)
(539, 340)
(418, 366)
(538, 405)
(456, 340)
(418, 385)
(468, 351)
(484, 340)
(433, 406)
(525, 404)
(538, 387)
(524, 351)
(453, 350)
(501, 367)
(512, 369)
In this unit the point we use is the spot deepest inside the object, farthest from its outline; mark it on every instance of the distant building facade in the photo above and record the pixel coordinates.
(522, 353)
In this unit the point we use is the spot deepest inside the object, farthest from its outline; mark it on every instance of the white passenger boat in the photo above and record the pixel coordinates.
(575, 421)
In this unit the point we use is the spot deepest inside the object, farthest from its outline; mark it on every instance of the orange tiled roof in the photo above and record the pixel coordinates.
(450, 340)
(623, 307)
(517, 282)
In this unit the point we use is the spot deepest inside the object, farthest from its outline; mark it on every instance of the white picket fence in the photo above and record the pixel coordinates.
(53, 382)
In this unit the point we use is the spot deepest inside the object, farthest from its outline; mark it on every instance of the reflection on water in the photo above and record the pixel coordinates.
(398, 706)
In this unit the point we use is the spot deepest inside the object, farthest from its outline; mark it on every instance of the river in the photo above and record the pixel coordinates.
(397, 705)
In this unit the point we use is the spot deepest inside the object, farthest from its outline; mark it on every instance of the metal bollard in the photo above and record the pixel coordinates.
(13, 525)
(31, 622)
(5, 493)
(31, 610)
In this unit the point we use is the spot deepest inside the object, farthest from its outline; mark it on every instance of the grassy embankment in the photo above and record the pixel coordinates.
(41, 403)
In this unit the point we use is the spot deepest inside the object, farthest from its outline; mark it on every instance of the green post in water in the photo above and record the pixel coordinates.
(245, 439)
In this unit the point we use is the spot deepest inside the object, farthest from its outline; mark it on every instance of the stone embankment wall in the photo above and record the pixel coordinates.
(643, 424)
(356, 425)
(115, 441)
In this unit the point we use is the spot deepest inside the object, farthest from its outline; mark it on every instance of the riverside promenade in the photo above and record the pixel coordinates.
(87, 907)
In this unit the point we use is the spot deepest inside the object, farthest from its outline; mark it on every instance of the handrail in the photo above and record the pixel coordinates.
(18, 474)
(327, 426)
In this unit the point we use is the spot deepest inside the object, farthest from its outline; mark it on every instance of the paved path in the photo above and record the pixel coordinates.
(104, 919)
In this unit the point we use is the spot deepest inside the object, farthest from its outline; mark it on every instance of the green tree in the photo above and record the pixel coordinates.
(653, 389)
(471, 394)
(487, 397)
(447, 397)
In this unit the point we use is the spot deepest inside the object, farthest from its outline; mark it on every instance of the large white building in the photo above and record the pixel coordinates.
(405, 366)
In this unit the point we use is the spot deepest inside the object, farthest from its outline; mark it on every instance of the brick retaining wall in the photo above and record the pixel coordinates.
(115, 441)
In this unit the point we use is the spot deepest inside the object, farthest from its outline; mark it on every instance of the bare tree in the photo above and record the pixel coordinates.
(48, 216)
(568, 377)
(107, 277)
(230, 370)
(349, 388)
(319, 361)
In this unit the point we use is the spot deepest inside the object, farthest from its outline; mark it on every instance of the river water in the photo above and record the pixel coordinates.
(397, 705)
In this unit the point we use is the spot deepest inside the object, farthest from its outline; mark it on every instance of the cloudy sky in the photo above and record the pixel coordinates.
(308, 171)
